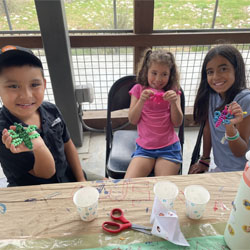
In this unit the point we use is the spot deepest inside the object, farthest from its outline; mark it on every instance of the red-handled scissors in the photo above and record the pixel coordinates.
(125, 223)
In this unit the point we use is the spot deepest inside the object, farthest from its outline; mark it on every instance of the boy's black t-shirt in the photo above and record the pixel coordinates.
(54, 133)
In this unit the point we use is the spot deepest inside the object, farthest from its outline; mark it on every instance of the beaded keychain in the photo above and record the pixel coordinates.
(22, 134)
(223, 117)
(158, 97)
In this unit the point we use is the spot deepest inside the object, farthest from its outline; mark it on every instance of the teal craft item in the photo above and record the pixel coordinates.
(22, 134)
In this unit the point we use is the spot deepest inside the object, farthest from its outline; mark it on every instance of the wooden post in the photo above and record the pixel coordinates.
(143, 23)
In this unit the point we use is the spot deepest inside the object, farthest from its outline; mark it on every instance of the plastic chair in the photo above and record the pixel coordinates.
(120, 144)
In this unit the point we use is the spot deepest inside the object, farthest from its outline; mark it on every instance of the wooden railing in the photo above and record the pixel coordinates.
(136, 40)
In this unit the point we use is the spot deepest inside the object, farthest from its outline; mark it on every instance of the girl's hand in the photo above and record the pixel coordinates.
(198, 168)
(235, 109)
(7, 140)
(145, 94)
(170, 96)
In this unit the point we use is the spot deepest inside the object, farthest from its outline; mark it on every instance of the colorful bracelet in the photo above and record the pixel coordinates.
(232, 138)
(204, 163)
(207, 159)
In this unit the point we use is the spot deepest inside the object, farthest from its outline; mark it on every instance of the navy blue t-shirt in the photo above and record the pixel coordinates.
(54, 132)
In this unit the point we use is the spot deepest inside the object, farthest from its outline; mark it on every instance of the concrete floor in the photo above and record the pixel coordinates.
(92, 154)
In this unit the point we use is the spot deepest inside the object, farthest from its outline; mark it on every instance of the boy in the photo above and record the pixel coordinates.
(53, 157)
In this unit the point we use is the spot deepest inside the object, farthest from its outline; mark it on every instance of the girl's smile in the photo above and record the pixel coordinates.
(220, 74)
(158, 75)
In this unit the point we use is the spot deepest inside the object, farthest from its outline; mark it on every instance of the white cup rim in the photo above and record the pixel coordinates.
(199, 186)
(169, 198)
(80, 190)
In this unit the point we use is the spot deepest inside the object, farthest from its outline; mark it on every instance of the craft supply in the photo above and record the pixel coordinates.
(22, 134)
(164, 219)
(86, 201)
(223, 117)
(197, 198)
(114, 227)
(166, 193)
(237, 232)
(157, 97)
(166, 225)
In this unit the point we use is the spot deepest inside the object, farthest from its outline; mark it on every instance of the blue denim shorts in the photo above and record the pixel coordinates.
(170, 153)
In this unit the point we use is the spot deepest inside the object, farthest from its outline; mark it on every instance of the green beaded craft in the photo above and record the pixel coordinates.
(22, 134)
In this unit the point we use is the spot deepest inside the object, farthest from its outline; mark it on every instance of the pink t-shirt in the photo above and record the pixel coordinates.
(155, 129)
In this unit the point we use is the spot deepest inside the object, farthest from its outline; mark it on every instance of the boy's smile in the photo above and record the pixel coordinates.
(22, 90)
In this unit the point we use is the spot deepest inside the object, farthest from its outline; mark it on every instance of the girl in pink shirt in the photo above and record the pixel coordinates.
(155, 108)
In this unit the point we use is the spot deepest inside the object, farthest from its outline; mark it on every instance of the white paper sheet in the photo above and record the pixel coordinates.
(166, 224)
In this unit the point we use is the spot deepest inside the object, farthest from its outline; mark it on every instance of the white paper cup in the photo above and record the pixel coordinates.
(166, 192)
(197, 198)
(86, 201)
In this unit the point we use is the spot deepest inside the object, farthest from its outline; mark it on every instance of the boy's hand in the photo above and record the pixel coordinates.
(235, 109)
(7, 140)
(170, 96)
(145, 94)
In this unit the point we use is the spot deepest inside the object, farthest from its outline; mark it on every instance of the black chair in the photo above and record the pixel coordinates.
(120, 143)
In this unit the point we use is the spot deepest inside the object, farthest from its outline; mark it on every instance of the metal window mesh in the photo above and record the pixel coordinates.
(189, 60)
(101, 67)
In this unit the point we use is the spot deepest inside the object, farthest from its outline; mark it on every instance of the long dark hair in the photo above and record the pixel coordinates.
(163, 57)
(202, 98)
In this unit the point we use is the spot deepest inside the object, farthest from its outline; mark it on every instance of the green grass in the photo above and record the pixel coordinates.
(22, 15)
(198, 14)
(168, 14)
